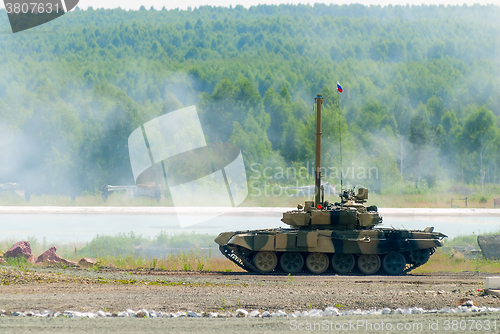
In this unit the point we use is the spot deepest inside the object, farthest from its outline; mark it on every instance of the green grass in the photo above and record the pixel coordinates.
(188, 251)
(124, 244)
(17, 262)
(467, 240)
(449, 262)
(456, 262)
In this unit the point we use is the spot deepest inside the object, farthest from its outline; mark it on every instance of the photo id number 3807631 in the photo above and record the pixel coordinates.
(32, 8)
(470, 325)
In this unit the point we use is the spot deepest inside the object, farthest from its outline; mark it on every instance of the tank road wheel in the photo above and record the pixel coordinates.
(265, 261)
(317, 263)
(291, 262)
(343, 263)
(369, 264)
(394, 263)
(420, 256)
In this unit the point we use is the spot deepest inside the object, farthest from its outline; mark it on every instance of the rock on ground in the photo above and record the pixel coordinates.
(489, 245)
(87, 263)
(50, 256)
(21, 248)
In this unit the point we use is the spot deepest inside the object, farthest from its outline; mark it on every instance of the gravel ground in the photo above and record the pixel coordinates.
(59, 289)
(83, 290)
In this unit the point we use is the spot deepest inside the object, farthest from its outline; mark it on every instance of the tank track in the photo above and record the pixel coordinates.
(409, 267)
(246, 264)
(416, 265)
(235, 257)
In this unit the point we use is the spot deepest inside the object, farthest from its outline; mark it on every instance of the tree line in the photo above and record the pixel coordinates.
(421, 99)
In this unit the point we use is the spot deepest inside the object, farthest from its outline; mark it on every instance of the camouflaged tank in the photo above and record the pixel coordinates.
(341, 237)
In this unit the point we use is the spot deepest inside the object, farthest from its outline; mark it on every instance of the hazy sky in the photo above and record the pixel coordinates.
(183, 4)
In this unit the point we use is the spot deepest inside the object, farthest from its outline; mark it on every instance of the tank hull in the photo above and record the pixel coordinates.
(407, 249)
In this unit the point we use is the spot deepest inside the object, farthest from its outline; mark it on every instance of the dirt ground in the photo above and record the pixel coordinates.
(60, 289)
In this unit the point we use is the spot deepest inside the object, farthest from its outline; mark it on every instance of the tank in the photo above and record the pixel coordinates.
(340, 237)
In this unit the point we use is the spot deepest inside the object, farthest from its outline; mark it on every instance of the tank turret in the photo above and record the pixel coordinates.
(349, 213)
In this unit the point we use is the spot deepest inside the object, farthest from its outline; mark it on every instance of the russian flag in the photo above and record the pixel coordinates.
(339, 88)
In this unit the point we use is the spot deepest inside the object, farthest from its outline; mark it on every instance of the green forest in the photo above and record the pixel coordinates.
(420, 105)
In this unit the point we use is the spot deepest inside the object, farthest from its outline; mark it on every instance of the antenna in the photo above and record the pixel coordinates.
(317, 164)
(341, 167)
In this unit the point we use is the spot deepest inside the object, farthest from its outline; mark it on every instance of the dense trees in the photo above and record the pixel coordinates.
(421, 100)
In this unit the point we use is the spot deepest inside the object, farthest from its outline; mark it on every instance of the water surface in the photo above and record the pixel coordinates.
(84, 227)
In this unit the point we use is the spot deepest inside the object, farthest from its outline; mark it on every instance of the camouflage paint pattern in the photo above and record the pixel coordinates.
(377, 241)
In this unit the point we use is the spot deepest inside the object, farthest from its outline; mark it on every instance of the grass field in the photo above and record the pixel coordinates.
(445, 262)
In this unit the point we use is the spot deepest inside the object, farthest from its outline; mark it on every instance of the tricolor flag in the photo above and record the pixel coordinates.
(339, 88)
